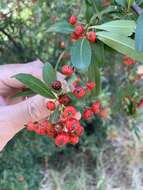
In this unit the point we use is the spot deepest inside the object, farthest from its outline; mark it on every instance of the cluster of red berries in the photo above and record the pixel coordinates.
(66, 128)
(80, 31)
(128, 61)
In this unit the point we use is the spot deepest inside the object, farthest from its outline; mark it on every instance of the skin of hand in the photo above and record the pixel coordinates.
(14, 114)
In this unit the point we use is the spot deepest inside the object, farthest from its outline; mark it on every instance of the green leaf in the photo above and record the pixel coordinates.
(121, 2)
(93, 70)
(24, 93)
(124, 27)
(54, 117)
(139, 34)
(49, 74)
(35, 85)
(61, 27)
(120, 43)
(130, 2)
(81, 54)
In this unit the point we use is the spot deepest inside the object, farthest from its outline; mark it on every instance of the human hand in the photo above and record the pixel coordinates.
(14, 113)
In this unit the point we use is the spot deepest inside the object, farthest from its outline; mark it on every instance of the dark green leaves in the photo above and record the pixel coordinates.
(49, 74)
(139, 34)
(35, 85)
(81, 54)
(121, 44)
(61, 27)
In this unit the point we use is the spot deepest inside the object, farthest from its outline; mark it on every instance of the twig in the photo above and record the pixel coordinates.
(137, 8)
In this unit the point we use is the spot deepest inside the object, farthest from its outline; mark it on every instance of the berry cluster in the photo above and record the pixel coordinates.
(66, 126)
(80, 31)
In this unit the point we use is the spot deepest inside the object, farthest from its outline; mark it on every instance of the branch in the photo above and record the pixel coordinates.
(137, 8)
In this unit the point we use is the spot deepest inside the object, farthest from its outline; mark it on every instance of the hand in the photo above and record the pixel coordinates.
(14, 113)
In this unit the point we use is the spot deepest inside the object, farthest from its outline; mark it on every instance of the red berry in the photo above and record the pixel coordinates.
(128, 61)
(31, 126)
(62, 139)
(51, 131)
(73, 139)
(91, 36)
(96, 107)
(56, 85)
(74, 36)
(72, 124)
(140, 104)
(90, 85)
(64, 99)
(79, 92)
(51, 105)
(79, 131)
(69, 112)
(73, 20)
(87, 114)
(79, 29)
(67, 70)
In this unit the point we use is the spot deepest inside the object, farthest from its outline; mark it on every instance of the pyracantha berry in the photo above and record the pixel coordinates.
(67, 70)
(91, 36)
(90, 85)
(140, 104)
(73, 139)
(96, 107)
(64, 99)
(31, 126)
(56, 85)
(73, 20)
(79, 29)
(62, 139)
(87, 114)
(40, 129)
(104, 113)
(79, 131)
(72, 124)
(128, 61)
(69, 112)
(79, 92)
(51, 105)
(51, 131)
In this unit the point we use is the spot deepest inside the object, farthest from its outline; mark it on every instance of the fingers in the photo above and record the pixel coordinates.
(7, 71)
(14, 117)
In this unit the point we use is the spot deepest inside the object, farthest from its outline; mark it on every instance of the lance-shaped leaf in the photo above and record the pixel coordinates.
(61, 27)
(139, 34)
(35, 85)
(124, 27)
(49, 74)
(120, 43)
(81, 54)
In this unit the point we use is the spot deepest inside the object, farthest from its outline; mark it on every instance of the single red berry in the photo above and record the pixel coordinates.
(64, 99)
(74, 37)
(72, 124)
(51, 105)
(73, 20)
(79, 29)
(69, 112)
(91, 36)
(31, 126)
(79, 131)
(96, 107)
(128, 61)
(90, 85)
(51, 131)
(67, 70)
(62, 139)
(56, 85)
(79, 92)
(40, 129)
(73, 139)
(87, 114)
(140, 104)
